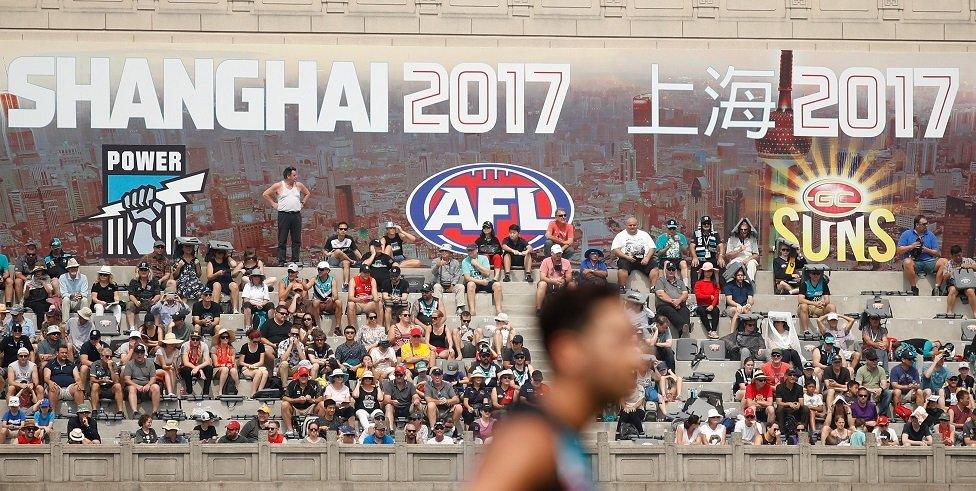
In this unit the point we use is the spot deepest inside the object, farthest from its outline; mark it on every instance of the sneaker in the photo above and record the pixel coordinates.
(528, 277)
(507, 278)
(915, 291)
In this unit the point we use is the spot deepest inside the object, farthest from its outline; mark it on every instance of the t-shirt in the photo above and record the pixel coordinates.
(532, 393)
(813, 292)
(395, 243)
(749, 433)
(468, 269)
(938, 379)
(401, 287)
(295, 390)
(347, 245)
(784, 269)
(207, 434)
(204, 313)
(712, 436)
(446, 441)
(432, 393)
(508, 354)
(140, 372)
(519, 244)
(62, 373)
(275, 332)
(340, 395)
(673, 290)
(488, 245)
(401, 395)
(371, 440)
(379, 269)
(11, 345)
(548, 269)
(105, 293)
(673, 247)
(929, 241)
(352, 354)
(14, 419)
(789, 394)
(858, 438)
(916, 435)
(408, 350)
(885, 435)
(142, 436)
(813, 400)
(841, 378)
(904, 376)
(251, 357)
(776, 375)
(637, 245)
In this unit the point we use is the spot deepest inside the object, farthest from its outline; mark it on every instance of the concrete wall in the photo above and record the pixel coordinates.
(593, 23)
(614, 464)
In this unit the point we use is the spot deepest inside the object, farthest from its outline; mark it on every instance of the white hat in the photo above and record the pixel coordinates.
(72, 263)
(389, 225)
(305, 363)
(832, 316)
(446, 247)
(292, 267)
(323, 265)
(920, 414)
(171, 424)
(76, 435)
(23, 351)
(501, 317)
(506, 372)
(713, 413)
(105, 270)
(932, 398)
(135, 334)
(53, 330)
(556, 249)
(14, 401)
(366, 374)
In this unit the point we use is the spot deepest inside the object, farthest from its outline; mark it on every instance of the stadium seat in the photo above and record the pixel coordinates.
(685, 349)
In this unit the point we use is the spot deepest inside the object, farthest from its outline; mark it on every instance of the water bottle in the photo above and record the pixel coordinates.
(692, 394)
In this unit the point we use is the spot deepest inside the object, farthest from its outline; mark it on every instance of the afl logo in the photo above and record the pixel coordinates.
(833, 198)
(450, 206)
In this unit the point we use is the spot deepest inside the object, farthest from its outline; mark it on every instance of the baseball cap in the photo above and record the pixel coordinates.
(828, 339)
(347, 430)
(669, 265)
(905, 355)
(808, 365)
(420, 366)
(933, 398)
(439, 425)
(292, 268)
(832, 316)
(141, 349)
(556, 249)
(135, 334)
(55, 242)
(53, 330)
(94, 334)
(45, 403)
(323, 265)
(302, 372)
(963, 367)
(472, 247)
(14, 401)
(159, 243)
(416, 332)
(144, 266)
(662, 366)
(264, 409)
(416, 416)
(759, 376)
(446, 247)
(234, 425)
(23, 351)
(776, 351)
(672, 223)
(437, 371)
(375, 243)
(395, 271)
(793, 372)
(882, 420)
(713, 413)
(389, 225)
(871, 355)
(706, 219)
(518, 339)
(400, 370)
(379, 425)
(426, 288)
(749, 412)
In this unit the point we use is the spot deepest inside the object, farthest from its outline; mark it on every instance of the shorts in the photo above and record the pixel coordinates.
(495, 260)
(335, 262)
(816, 311)
(327, 306)
(925, 267)
(303, 411)
(64, 392)
(396, 303)
(486, 288)
(517, 260)
(104, 391)
(401, 411)
(637, 266)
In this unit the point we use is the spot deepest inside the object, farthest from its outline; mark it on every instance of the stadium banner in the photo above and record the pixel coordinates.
(111, 148)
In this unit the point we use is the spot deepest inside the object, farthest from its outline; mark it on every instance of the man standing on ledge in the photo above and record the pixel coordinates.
(594, 356)
(288, 196)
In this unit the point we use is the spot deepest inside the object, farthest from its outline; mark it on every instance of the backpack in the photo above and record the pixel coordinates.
(259, 318)
(627, 431)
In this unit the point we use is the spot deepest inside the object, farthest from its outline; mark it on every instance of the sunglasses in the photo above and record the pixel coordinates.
(404, 315)
(158, 246)
(282, 312)
(561, 215)
(293, 333)
(225, 337)
(106, 356)
(411, 431)
(370, 316)
(343, 228)
(318, 339)
(777, 355)
(194, 338)
(22, 356)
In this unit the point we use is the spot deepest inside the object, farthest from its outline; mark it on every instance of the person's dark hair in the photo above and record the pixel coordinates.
(955, 249)
(143, 419)
(691, 421)
(570, 310)
(809, 383)
(288, 170)
(514, 227)
(339, 224)
(917, 218)
(747, 360)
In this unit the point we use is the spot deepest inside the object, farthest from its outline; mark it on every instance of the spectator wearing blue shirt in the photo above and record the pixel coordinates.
(935, 375)
(905, 381)
(920, 253)
(738, 296)
(11, 420)
(44, 417)
(673, 247)
(379, 435)
(478, 278)
(6, 279)
(593, 269)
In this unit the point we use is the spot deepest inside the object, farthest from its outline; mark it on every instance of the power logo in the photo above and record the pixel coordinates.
(450, 206)
(145, 195)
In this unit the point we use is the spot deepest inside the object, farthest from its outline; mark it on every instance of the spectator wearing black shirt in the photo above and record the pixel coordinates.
(517, 346)
(490, 247)
(144, 292)
(517, 252)
(392, 243)
(206, 314)
(394, 292)
(787, 267)
(379, 262)
(90, 352)
(302, 398)
(789, 401)
(105, 295)
(274, 331)
(252, 360)
(532, 391)
(835, 378)
(84, 420)
(915, 433)
(13, 342)
(341, 250)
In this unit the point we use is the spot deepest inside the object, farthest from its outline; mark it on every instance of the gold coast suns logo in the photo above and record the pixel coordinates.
(829, 208)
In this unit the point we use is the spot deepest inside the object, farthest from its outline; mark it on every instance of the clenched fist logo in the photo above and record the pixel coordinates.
(143, 210)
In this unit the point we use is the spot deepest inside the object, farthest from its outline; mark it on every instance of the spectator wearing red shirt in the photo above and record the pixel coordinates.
(707, 294)
(759, 395)
(775, 369)
(555, 273)
(560, 232)
(28, 433)
(274, 433)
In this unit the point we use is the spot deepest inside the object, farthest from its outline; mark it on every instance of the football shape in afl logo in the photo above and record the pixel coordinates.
(832, 198)
(449, 207)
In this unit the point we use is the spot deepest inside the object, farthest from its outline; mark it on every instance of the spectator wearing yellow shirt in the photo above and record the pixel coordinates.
(416, 350)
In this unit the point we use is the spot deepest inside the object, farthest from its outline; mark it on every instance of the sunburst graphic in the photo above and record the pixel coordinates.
(825, 163)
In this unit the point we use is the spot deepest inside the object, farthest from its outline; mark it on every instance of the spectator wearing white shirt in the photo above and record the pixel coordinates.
(74, 290)
(750, 429)
(634, 250)
(255, 295)
(712, 432)
(439, 437)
